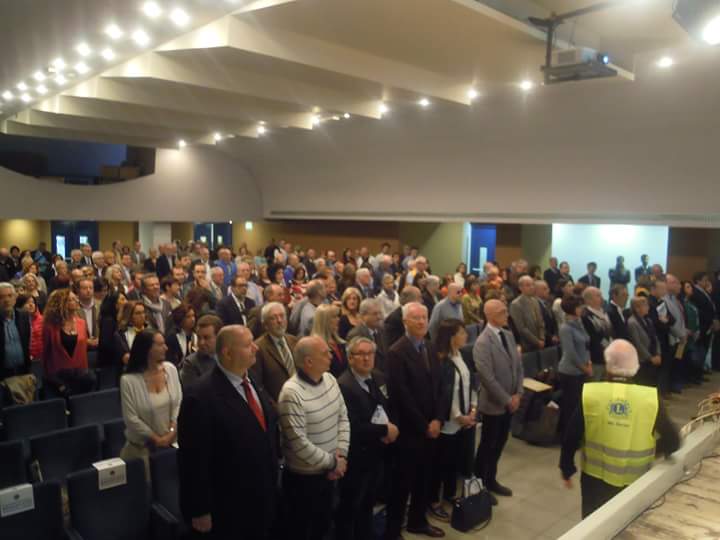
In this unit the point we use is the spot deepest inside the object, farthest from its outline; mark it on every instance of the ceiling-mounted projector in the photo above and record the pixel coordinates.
(577, 64)
(699, 18)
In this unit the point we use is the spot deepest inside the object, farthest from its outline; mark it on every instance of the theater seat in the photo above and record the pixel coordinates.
(530, 361)
(95, 407)
(118, 513)
(59, 453)
(113, 438)
(44, 522)
(550, 358)
(12, 464)
(24, 421)
(166, 485)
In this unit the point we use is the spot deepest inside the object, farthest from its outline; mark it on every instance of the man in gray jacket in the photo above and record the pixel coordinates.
(500, 373)
(527, 316)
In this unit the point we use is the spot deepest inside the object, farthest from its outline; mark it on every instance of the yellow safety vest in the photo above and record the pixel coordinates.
(619, 441)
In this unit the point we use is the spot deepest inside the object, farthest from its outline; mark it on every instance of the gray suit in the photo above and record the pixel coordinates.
(500, 376)
(640, 338)
(528, 321)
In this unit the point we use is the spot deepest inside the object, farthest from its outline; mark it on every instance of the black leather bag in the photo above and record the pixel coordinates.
(470, 512)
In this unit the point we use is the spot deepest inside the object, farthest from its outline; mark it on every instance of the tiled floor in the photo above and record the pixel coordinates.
(541, 508)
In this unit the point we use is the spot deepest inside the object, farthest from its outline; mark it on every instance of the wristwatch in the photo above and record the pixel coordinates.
(172, 430)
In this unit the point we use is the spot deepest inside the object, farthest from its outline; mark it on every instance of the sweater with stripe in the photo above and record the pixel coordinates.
(314, 423)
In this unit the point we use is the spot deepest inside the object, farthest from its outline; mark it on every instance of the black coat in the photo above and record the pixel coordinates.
(228, 310)
(164, 266)
(366, 448)
(227, 465)
(22, 322)
(706, 313)
(394, 328)
(415, 392)
(597, 349)
(619, 324)
(551, 278)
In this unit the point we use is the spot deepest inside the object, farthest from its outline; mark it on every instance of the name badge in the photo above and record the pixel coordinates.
(111, 473)
(380, 417)
(16, 499)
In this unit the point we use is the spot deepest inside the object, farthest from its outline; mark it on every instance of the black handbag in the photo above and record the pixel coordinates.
(469, 512)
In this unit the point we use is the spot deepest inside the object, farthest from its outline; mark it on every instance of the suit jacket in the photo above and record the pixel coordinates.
(528, 321)
(227, 464)
(175, 353)
(22, 322)
(642, 339)
(151, 266)
(269, 369)
(706, 313)
(228, 310)
(661, 328)
(619, 323)
(137, 257)
(551, 327)
(394, 328)
(164, 266)
(500, 375)
(166, 315)
(429, 301)
(599, 339)
(551, 277)
(590, 281)
(366, 448)
(362, 330)
(414, 390)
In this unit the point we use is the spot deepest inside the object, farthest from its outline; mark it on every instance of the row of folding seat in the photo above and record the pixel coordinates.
(536, 361)
(121, 513)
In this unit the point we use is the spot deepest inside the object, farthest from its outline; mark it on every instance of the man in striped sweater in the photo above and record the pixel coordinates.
(315, 440)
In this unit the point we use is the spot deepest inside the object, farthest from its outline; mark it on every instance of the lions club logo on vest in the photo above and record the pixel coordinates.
(619, 409)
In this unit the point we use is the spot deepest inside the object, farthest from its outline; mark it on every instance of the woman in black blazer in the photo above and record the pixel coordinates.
(181, 341)
(110, 312)
(132, 322)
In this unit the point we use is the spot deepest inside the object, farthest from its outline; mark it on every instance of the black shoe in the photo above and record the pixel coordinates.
(439, 513)
(493, 499)
(499, 489)
(427, 530)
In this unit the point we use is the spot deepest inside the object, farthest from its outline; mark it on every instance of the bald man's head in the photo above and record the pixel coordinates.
(496, 313)
(236, 349)
(454, 292)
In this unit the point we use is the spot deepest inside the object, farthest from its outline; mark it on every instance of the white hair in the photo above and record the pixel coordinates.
(97, 254)
(368, 304)
(362, 272)
(410, 305)
(621, 359)
(6, 285)
(269, 307)
(432, 280)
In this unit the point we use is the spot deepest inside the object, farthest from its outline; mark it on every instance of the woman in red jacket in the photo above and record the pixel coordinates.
(28, 303)
(65, 345)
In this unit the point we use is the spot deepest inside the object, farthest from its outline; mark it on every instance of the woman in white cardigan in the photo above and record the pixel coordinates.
(151, 395)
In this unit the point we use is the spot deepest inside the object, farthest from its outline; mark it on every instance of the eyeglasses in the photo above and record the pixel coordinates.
(363, 354)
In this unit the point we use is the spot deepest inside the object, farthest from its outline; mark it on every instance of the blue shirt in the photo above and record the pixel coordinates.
(229, 271)
(14, 355)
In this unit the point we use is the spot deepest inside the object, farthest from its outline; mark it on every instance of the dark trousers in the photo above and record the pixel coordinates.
(493, 436)
(595, 493)
(647, 375)
(696, 364)
(411, 478)
(571, 386)
(665, 369)
(445, 469)
(678, 370)
(354, 516)
(307, 502)
(77, 381)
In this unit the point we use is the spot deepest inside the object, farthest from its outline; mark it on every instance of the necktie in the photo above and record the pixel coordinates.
(373, 389)
(423, 352)
(188, 346)
(253, 404)
(286, 356)
(504, 343)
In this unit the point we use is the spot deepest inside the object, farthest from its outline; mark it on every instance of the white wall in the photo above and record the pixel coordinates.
(195, 184)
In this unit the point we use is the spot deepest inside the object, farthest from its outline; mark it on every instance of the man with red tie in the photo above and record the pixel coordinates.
(227, 433)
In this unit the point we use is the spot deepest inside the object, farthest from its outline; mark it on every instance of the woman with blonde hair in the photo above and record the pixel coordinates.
(65, 338)
(350, 317)
(325, 326)
(30, 286)
(114, 277)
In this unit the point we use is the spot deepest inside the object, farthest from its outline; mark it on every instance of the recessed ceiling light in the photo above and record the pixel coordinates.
(59, 64)
(82, 68)
(113, 31)
(665, 62)
(315, 120)
(336, 117)
(384, 109)
(261, 130)
(182, 143)
(424, 102)
(152, 9)
(83, 49)
(141, 37)
(108, 54)
(262, 122)
(22, 86)
(41, 89)
(346, 116)
(39, 76)
(7, 95)
(217, 137)
(26, 98)
(180, 17)
(60, 79)
(472, 94)
(711, 31)
(526, 85)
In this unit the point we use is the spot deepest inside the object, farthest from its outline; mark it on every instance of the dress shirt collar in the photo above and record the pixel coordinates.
(417, 343)
(236, 380)
(362, 381)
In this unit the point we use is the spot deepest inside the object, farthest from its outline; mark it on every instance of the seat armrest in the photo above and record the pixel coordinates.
(72, 534)
(163, 525)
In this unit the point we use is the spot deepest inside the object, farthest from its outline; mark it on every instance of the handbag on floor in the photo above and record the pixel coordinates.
(473, 509)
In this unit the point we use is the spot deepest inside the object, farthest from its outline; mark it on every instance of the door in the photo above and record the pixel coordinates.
(482, 245)
(69, 235)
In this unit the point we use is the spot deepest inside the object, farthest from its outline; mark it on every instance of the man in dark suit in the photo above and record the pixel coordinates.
(370, 327)
(590, 279)
(708, 317)
(228, 456)
(619, 275)
(274, 363)
(371, 430)
(271, 293)
(14, 337)
(643, 269)
(552, 274)
(617, 312)
(394, 328)
(542, 292)
(414, 387)
(235, 307)
(166, 261)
